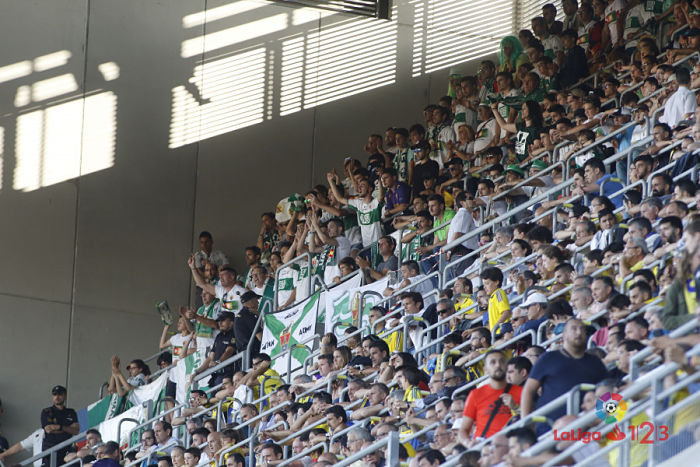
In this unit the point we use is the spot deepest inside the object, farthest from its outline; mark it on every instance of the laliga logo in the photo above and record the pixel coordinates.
(611, 408)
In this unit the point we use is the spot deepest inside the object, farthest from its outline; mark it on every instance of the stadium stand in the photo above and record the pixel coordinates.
(511, 281)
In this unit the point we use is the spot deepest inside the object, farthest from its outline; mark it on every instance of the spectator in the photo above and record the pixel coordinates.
(111, 456)
(245, 322)
(207, 254)
(59, 423)
(499, 307)
(165, 441)
(223, 348)
(682, 104)
(558, 371)
(489, 407)
(227, 291)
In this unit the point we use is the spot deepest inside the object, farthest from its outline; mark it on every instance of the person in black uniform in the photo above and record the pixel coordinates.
(245, 322)
(223, 348)
(59, 424)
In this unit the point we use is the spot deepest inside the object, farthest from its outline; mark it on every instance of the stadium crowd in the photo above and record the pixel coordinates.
(588, 263)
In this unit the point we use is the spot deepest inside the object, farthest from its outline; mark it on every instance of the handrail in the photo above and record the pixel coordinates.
(686, 328)
(322, 444)
(528, 180)
(54, 449)
(391, 441)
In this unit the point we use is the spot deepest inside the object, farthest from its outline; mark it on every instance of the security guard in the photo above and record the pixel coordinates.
(59, 424)
(223, 348)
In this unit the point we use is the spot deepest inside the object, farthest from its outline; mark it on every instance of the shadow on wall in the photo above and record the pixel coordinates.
(252, 61)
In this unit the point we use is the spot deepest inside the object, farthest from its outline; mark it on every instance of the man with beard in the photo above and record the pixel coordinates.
(558, 371)
(490, 406)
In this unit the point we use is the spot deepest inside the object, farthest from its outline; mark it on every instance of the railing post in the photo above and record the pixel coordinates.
(392, 452)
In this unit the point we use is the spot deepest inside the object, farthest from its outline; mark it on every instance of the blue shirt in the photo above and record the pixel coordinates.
(401, 194)
(610, 188)
(534, 325)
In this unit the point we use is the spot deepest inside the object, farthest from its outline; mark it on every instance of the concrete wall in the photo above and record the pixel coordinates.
(171, 134)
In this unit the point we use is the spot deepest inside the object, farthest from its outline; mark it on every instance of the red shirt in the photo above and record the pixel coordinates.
(480, 405)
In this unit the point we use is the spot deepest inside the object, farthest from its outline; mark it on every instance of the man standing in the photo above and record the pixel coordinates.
(222, 349)
(59, 424)
(245, 322)
(227, 291)
(207, 254)
(490, 406)
(681, 104)
(558, 371)
(368, 209)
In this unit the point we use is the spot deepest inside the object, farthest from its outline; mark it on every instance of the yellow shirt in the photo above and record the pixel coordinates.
(691, 300)
(271, 380)
(498, 304)
(413, 393)
(394, 341)
(464, 304)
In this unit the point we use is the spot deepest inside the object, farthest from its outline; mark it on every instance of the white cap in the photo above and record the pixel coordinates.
(533, 298)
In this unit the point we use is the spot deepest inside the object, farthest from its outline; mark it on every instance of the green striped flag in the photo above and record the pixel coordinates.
(284, 329)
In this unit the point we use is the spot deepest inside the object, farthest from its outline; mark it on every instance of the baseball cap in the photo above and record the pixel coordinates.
(225, 315)
(58, 390)
(539, 164)
(534, 298)
(578, 92)
(671, 78)
(516, 169)
(249, 295)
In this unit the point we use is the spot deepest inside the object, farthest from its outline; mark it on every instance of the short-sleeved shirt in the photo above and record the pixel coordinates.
(33, 443)
(243, 328)
(446, 217)
(212, 312)
(217, 257)
(55, 416)
(498, 304)
(611, 187)
(484, 134)
(223, 341)
(369, 216)
(480, 404)
(400, 194)
(558, 373)
(177, 342)
(525, 136)
(230, 299)
(463, 222)
(392, 264)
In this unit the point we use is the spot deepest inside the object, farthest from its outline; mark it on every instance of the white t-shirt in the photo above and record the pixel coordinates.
(177, 342)
(485, 133)
(612, 12)
(231, 299)
(343, 248)
(217, 257)
(462, 223)
(34, 442)
(369, 217)
(552, 43)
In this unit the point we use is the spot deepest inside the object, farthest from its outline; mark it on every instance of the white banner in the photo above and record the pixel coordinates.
(343, 302)
(182, 371)
(109, 428)
(148, 392)
(290, 327)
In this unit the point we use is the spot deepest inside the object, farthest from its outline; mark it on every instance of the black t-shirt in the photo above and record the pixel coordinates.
(243, 328)
(558, 373)
(428, 169)
(55, 416)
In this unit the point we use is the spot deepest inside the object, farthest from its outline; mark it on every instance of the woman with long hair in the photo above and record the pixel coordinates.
(526, 130)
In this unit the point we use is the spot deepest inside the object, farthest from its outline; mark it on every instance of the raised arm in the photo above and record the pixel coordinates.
(509, 127)
(198, 278)
(333, 182)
